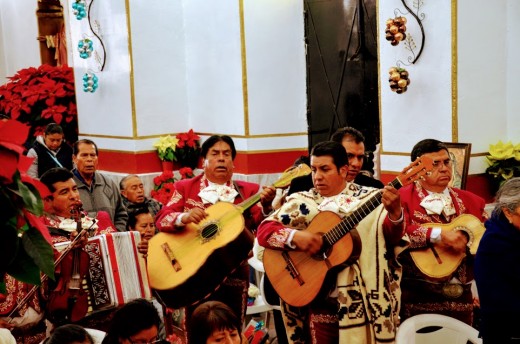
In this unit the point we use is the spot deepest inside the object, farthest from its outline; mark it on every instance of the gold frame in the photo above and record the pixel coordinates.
(460, 153)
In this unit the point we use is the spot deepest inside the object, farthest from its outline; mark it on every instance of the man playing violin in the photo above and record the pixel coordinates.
(428, 202)
(27, 325)
(358, 302)
(192, 196)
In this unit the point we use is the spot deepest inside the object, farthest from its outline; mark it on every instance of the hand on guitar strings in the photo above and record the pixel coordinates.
(195, 215)
(267, 196)
(392, 202)
(308, 242)
(455, 241)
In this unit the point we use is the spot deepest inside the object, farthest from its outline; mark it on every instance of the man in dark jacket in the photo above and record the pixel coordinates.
(353, 142)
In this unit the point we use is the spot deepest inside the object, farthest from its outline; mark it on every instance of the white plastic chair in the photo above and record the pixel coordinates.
(436, 328)
(261, 305)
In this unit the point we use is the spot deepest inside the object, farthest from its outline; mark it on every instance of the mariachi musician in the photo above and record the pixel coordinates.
(430, 204)
(193, 196)
(27, 321)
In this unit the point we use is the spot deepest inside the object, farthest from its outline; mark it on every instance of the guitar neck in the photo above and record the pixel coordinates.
(350, 221)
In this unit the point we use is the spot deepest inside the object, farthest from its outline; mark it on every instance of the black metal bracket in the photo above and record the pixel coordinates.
(409, 43)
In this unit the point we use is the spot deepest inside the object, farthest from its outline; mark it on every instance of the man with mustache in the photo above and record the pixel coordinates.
(97, 192)
(192, 196)
(27, 324)
(132, 190)
(354, 143)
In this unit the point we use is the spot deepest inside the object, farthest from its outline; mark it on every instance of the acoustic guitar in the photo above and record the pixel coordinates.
(298, 277)
(436, 261)
(186, 266)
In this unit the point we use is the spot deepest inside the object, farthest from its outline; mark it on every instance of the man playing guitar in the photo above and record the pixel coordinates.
(428, 204)
(193, 196)
(334, 315)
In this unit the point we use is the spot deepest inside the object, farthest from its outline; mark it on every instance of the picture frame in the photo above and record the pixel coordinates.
(460, 154)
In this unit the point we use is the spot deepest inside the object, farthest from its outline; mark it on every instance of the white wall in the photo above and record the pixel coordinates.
(18, 31)
(486, 80)
(425, 109)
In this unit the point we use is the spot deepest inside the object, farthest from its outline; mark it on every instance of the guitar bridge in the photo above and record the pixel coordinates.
(292, 269)
(167, 250)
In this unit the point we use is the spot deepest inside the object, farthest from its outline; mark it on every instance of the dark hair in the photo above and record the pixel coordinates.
(53, 128)
(123, 181)
(212, 140)
(427, 146)
(333, 149)
(75, 147)
(55, 175)
(351, 133)
(132, 216)
(209, 317)
(69, 333)
(134, 317)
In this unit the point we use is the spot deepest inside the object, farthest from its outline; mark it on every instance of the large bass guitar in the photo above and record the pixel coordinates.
(298, 277)
(437, 261)
(186, 266)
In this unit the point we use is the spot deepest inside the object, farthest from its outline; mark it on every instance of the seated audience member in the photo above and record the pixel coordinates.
(497, 268)
(132, 190)
(353, 142)
(427, 202)
(192, 196)
(135, 322)
(348, 310)
(214, 322)
(69, 334)
(142, 221)
(49, 150)
(97, 192)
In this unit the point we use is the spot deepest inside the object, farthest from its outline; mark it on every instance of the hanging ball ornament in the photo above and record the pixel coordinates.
(90, 82)
(78, 9)
(395, 30)
(398, 79)
(85, 48)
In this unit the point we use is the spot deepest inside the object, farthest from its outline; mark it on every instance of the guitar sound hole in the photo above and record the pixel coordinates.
(209, 231)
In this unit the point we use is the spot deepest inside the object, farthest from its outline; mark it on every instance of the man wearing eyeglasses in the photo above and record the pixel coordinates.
(426, 203)
(354, 143)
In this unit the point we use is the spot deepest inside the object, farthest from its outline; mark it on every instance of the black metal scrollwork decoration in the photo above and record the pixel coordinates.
(96, 31)
(408, 41)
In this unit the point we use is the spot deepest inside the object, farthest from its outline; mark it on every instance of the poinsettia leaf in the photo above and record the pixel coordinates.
(29, 194)
(3, 289)
(39, 250)
(23, 268)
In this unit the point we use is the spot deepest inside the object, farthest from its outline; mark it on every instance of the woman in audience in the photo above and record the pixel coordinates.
(141, 220)
(214, 322)
(137, 322)
(69, 334)
(497, 268)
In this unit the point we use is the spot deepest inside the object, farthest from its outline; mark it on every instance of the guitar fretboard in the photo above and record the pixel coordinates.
(351, 220)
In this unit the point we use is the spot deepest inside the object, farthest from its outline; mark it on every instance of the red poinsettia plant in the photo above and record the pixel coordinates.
(39, 96)
(164, 184)
(25, 248)
(188, 149)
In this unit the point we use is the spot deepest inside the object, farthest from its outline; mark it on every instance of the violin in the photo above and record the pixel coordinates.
(68, 302)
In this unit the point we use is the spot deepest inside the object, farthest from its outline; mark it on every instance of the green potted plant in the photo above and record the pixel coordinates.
(503, 163)
(184, 148)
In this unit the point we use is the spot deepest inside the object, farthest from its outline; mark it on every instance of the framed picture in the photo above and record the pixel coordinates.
(460, 154)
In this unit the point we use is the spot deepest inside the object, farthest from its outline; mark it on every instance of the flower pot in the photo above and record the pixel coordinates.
(191, 160)
(167, 165)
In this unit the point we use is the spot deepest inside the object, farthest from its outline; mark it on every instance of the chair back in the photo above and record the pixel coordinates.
(434, 329)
